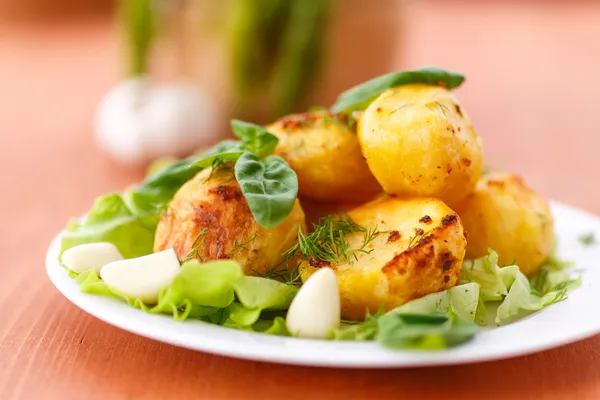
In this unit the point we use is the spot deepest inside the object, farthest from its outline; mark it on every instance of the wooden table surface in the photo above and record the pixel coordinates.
(532, 93)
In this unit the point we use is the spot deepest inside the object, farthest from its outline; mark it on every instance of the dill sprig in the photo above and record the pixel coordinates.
(328, 240)
(196, 245)
(239, 246)
(285, 275)
(414, 240)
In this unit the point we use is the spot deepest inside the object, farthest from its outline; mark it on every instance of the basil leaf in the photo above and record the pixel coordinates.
(224, 146)
(270, 187)
(360, 96)
(255, 138)
(225, 151)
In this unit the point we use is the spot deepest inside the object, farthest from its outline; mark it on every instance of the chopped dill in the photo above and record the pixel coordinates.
(414, 240)
(196, 245)
(237, 246)
(399, 108)
(328, 240)
(285, 275)
(587, 239)
(442, 107)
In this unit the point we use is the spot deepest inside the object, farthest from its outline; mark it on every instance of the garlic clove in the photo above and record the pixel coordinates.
(315, 310)
(90, 256)
(142, 277)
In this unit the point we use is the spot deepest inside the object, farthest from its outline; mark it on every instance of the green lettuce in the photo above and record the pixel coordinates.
(511, 288)
(435, 321)
(216, 292)
(462, 299)
(110, 220)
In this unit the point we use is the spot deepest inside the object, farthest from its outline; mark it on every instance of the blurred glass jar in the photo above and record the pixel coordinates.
(260, 59)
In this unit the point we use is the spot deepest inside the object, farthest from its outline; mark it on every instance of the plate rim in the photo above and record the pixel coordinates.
(94, 306)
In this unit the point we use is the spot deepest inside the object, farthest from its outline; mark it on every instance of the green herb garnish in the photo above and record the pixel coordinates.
(359, 97)
(328, 242)
(283, 274)
(587, 239)
(237, 246)
(270, 187)
(416, 238)
(196, 245)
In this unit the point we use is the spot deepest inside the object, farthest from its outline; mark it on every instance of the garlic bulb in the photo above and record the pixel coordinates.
(139, 120)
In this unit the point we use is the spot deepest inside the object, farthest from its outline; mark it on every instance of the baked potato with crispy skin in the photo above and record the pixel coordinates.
(419, 250)
(507, 216)
(326, 156)
(209, 219)
(419, 142)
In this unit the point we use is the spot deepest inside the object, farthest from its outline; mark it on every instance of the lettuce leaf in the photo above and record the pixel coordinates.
(110, 220)
(462, 299)
(521, 297)
(215, 291)
(509, 286)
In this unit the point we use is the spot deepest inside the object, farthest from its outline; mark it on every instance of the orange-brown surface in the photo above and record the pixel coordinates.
(532, 95)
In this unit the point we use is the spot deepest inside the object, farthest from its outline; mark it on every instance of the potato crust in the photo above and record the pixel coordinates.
(419, 250)
(209, 219)
(326, 156)
(507, 216)
(418, 141)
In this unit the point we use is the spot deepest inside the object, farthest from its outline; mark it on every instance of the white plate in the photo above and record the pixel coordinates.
(568, 321)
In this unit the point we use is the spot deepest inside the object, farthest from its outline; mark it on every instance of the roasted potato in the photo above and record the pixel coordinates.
(326, 156)
(419, 250)
(209, 219)
(419, 142)
(505, 215)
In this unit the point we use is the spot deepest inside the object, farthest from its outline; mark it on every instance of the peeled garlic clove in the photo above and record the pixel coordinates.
(142, 277)
(90, 256)
(315, 310)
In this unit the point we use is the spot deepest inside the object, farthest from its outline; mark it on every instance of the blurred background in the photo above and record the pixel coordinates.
(531, 86)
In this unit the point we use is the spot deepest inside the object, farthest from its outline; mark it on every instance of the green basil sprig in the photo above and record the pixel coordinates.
(270, 187)
(360, 96)
(255, 138)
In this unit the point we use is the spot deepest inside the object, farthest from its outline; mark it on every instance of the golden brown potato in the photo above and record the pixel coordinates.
(326, 156)
(419, 142)
(505, 215)
(419, 250)
(209, 219)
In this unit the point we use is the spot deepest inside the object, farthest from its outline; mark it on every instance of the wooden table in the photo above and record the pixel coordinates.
(51, 78)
